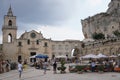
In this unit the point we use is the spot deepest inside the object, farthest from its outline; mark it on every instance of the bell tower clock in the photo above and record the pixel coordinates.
(9, 28)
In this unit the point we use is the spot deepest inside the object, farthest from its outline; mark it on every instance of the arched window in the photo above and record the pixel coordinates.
(60, 47)
(19, 43)
(19, 58)
(9, 38)
(53, 47)
(37, 42)
(10, 23)
(45, 44)
(28, 41)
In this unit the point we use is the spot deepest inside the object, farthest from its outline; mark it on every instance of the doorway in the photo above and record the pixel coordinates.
(19, 58)
(32, 59)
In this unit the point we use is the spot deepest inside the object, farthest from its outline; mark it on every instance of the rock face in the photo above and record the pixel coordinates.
(105, 23)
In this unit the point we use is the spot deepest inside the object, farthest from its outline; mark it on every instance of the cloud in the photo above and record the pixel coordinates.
(57, 32)
(61, 33)
(43, 11)
(94, 3)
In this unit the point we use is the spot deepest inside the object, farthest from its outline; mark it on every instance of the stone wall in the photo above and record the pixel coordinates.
(108, 47)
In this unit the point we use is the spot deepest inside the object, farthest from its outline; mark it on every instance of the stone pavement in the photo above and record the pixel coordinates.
(36, 74)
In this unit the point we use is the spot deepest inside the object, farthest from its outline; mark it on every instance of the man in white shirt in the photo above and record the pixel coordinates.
(20, 68)
(93, 66)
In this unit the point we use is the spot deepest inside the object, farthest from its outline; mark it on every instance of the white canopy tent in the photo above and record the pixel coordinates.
(61, 56)
(90, 56)
(39, 56)
(32, 56)
(118, 54)
(112, 56)
(100, 55)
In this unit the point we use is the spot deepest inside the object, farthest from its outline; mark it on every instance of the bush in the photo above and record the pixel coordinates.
(80, 67)
(98, 36)
(116, 33)
(62, 67)
(100, 68)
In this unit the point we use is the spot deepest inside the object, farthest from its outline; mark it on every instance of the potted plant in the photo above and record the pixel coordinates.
(101, 68)
(80, 69)
(62, 67)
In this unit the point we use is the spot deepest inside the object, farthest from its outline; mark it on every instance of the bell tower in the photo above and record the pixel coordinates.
(9, 28)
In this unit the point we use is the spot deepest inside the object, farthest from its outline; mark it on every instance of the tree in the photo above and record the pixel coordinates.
(116, 33)
(62, 67)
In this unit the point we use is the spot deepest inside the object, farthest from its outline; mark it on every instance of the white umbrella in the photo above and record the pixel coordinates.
(32, 56)
(90, 56)
(118, 54)
(100, 55)
(61, 56)
(39, 56)
(113, 56)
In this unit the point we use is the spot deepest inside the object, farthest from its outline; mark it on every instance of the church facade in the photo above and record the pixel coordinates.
(31, 43)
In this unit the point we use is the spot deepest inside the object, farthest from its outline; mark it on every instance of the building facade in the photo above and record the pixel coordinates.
(31, 43)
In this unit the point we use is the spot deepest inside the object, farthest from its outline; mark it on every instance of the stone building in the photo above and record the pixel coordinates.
(31, 43)
(107, 47)
(1, 56)
(106, 23)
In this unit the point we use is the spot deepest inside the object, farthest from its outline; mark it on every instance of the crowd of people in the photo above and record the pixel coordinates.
(5, 66)
(106, 64)
(44, 64)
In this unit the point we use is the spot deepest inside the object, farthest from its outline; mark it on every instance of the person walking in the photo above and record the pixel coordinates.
(7, 66)
(55, 67)
(25, 65)
(45, 64)
(93, 65)
(20, 68)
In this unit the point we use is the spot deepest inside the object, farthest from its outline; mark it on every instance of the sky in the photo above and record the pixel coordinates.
(55, 19)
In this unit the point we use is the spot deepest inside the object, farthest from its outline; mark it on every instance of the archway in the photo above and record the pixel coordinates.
(19, 58)
(10, 23)
(9, 38)
(75, 52)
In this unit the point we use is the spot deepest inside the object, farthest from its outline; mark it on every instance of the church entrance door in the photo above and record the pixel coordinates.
(32, 54)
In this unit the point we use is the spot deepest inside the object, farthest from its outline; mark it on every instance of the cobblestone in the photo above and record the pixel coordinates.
(36, 74)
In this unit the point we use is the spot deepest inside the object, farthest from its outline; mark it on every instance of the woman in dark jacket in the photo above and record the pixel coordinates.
(54, 66)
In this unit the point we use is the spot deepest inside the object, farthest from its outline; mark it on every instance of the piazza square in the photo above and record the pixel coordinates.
(33, 56)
